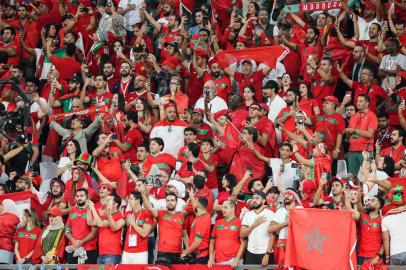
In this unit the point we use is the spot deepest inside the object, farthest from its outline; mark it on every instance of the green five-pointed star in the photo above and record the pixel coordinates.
(315, 240)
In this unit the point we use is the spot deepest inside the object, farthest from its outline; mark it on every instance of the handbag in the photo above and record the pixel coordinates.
(51, 253)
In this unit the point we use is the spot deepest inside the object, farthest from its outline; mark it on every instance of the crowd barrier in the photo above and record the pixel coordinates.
(135, 267)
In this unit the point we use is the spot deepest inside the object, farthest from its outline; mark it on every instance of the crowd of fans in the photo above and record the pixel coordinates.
(142, 147)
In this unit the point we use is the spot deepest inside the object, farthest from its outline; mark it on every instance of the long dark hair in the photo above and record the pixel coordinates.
(77, 146)
(309, 90)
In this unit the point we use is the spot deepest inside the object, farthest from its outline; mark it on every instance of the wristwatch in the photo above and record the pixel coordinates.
(267, 253)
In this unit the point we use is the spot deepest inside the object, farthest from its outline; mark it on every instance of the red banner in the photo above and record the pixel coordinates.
(151, 267)
(24, 200)
(268, 55)
(321, 239)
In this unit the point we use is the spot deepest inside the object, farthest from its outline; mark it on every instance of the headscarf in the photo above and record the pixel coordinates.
(295, 195)
(117, 23)
(53, 227)
(9, 207)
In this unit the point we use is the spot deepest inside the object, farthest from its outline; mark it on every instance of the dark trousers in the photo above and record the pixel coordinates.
(91, 257)
(174, 258)
(251, 258)
(201, 260)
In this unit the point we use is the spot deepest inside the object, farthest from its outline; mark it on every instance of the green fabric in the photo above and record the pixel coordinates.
(49, 240)
(354, 162)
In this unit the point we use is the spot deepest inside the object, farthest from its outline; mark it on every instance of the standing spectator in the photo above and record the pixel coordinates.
(139, 224)
(384, 132)
(199, 236)
(8, 227)
(65, 164)
(361, 130)
(391, 63)
(82, 247)
(189, 169)
(26, 237)
(394, 237)
(270, 91)
(203, 129)
(226, 246)
(255, 226)
(170, 229)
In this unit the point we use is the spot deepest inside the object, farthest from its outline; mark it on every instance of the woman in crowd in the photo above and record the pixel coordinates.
(8, 227)
(249, 95)
(26, 237)
(50, 248)
(228, 182)
(145, 118)
(306, 98)
(64, 168)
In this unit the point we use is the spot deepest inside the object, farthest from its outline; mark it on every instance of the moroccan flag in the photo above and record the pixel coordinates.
(268, 55)
(124, 186)
(24, 200)
(321, 239)
(186, 6)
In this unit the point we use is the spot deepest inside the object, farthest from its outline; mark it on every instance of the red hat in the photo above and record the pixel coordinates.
(171, 62)
(169, 103)
(221, 113)
(47, 3)
(336, 179)
(332, 99)
(55, 211)
(369, 5)
(212, 61)
(201, 52)
(198, 110)
(264, 106)
(308, 187)
(243, 40)
(402, 74)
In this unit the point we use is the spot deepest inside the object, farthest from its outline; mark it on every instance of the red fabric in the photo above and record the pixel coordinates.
(363, 121)
(370, 240)
(153, 267)
(109, 164)
(77, 225)
(201, 229)
(227, 236)
(373, 91)
(332, 125)
(313, 233)
(170, 231)
(255, 80)
(60, 250)
(109, 240)
(266, 126)
(133, 138)
(27, 240)
(124, 187)
(142, 217)
(211, 177)
(67, 66)
(8, 227)
(22, 196)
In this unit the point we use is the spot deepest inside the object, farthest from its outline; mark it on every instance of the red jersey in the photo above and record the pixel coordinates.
(170, 231)
(373, 91)
(255, 80)
(12, 60)
(332, 125)
(98, 101)
(195, 87)
(211, 177)
(363, 121)
(321, 88)
(109, 164)
(370, 240)
(383, 136)
(265, 125)
(201, 229)
(109, 240)
(289, 124)
(227, 235)
(133, 138)
(163, 160)
(77, 226)
(181, 154)
(134, 242)
(196, 166)
(204, 131)
(27, 240)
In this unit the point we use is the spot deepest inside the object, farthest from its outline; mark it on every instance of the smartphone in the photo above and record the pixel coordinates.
(114, 137)
(348, 93)
(340, 62)
(249, 168)
(324, 175)
(295, 165)
(84, 9)
(189, 166)
(157, 97)
(207, 93)
(403, 102)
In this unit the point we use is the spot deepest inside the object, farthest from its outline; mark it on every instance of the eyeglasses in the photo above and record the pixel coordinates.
(56, 186)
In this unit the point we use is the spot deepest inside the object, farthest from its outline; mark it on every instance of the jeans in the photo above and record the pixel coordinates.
(174, 258)
(108, 259)
(398, 259)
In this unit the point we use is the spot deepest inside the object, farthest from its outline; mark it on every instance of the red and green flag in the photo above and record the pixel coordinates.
(321, 239)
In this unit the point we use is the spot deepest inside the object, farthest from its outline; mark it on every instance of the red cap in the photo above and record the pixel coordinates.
(47, 3)
(308, 187)
(201, 52)
(169, 103)
(55, 211)
(369, 5)
(332, 99)
(171, 62)
(219, 114)
(335, 179)
(198, 110)
(264, 106)
(212, 61)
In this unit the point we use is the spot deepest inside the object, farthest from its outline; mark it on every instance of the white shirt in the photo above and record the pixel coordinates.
(396, 225)
(216, 104)
(289, 175)
(275, 73)
(35, 108)
(391, 63)
(68, 173)
(258, 239)
(363, 27)
(281, 216)
(132, 17)
(172, 136)
(275, 106)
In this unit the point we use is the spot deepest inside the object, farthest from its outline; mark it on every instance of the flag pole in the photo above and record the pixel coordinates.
(242, 137)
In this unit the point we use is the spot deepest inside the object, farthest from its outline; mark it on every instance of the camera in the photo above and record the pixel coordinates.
(300, 122)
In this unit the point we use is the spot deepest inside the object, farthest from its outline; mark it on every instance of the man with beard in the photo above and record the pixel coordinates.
(54, 196)
(337, 191)
(384, 131)
(170, 129)
(66, 101)
(396, 149)
(203, 129)
(109, 72)
(226, 246)
(23, 183)
(255, 224)
(370, 237)
(280, 222)
(221, 80)
(172, 28)
(199, 15)
(10, 15)
(78, 232)
(321, 78)
(360, 61)
(199, 236)
(132, 138)
(140, 91)
(170, 228)
(124, 86)
(392, 62)
(9, 46)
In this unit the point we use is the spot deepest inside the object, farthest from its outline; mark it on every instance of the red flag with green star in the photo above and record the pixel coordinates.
(321, 239)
